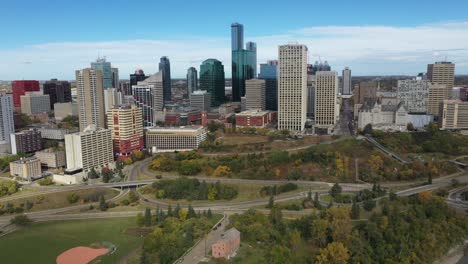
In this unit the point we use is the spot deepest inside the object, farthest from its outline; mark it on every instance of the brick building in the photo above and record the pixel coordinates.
(255, 118)
(228, 245)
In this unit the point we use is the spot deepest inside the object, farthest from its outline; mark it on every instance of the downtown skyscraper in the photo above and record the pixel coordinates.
(212, 80)
(243, 61)
(89, 87)
(107, 76)
(269, 73)
(346, 79)
(292, 87)
(165, 68)
(192, 80)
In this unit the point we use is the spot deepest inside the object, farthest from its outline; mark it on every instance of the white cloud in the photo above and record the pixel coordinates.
(366, 49)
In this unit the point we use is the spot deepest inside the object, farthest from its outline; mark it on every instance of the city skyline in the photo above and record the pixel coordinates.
(369, 44)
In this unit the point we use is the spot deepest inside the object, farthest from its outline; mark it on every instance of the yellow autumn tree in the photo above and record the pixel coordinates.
(222, 171)
(334, 253)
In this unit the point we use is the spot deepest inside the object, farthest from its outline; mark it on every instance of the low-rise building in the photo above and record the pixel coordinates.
(54, 133)
(183, 116)
(26, 168)
(89, 149)
(168, 139)
(62, 110)
(69, 177)
(386, 117)
(255, 118)
(26, 141)
(51, 158)
(227, 246)
(454, 115)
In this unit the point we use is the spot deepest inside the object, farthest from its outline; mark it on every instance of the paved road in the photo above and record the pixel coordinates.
(345, 126)
(201, 249)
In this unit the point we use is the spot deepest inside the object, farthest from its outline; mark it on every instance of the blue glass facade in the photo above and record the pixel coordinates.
(237, 36)
(252, 47)
(106, 69)
(212, 80)
(241, 70)
(165, 68)
(269, 72)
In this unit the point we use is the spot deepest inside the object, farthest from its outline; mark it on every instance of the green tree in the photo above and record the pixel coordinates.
(144, 258)
(271, 202)
(102, 203)
(191, 212)
(355, 211)
(92, 174)
(20, 220)
(140, 219)
(209, 214)
(147, 217)
(73, 198)
(317, 204)
(368, 205)
(335, 190)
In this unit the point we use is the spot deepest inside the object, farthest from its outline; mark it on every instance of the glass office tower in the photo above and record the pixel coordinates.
(269, 73)
(252, 47)
(241, 70)
(212, 80)
(165, 68)
(106, 69)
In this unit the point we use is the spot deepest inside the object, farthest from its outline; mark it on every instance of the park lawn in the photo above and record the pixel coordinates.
(59, 199)
(242, 139)
(43, 242)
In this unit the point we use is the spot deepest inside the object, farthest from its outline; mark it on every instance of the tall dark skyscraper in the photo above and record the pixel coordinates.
(165, 68)
(138, 76)
(268, 72)
(58, 91)
(242, 61)
(252, 47)
(212, 80)
(192, 80)
(237, 36)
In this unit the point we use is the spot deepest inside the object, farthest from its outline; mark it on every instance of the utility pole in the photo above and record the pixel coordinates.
(356, 166)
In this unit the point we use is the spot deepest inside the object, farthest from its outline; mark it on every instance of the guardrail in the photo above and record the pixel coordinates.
(181, 258)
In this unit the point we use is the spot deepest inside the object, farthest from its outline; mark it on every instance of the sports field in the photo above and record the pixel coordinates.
(43, 242)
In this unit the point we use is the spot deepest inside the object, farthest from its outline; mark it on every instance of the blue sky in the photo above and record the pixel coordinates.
(46, 39)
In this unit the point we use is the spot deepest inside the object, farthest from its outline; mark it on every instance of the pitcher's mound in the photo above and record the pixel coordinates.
(80, 255)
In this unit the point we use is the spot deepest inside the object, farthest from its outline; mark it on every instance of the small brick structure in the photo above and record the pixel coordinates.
(227, 246)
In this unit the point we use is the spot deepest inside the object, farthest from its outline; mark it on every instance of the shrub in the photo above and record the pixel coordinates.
(46, 181)
(73, 198)
(20, 220)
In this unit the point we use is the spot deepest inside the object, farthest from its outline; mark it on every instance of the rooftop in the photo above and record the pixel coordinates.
(229, 235)
(253, 113)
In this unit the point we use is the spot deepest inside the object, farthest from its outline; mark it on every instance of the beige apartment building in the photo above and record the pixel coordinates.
(90, 98)
(167, 139)
(26, 168)
(35, 103)
(326, 102)
(437, 94)
(454, 115)
(91, 148)
(255, 94)
(52, 158)
(442, 72)
(292, 87)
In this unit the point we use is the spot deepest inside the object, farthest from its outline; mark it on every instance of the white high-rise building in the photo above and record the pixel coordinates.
(292, 87)
(346, 81)
(91, 148)
(326, 102)
(149, 96)
(255, 94)
(89, 87)
(6, 121)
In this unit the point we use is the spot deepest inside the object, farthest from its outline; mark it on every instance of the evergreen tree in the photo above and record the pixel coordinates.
(271, 202)
(191, 212)
(429, 178)
(355, 210)
(102, 203)
(309, 196)
(147, 217)
(176, 211)
(335, 190)
(209, 214)
(316, 201)
(275, 190)
(203, 191)
(169, 211)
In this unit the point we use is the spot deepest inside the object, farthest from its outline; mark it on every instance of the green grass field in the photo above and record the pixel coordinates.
(43, 242)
